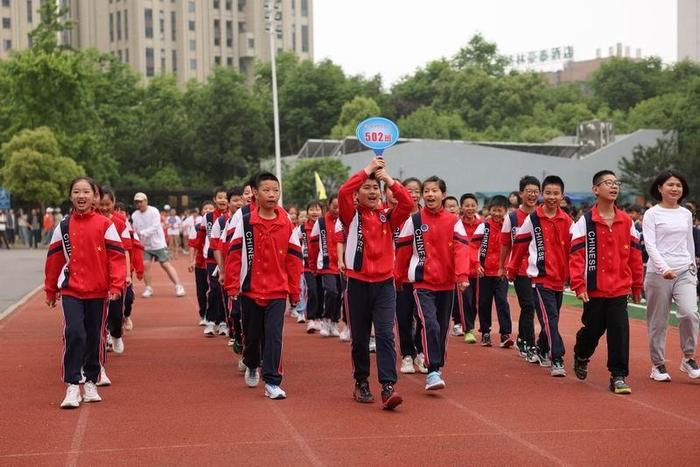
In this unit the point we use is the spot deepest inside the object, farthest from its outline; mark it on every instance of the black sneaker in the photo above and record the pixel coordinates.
(522, 346)
(486, 340)
(580, 367)
(506, 341)
(237, 346)
(543, 358)
(532, 355)
(619, 386)
(362, 393)
(390, 398)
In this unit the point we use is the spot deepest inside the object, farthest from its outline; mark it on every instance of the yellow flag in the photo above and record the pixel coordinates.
(320, 189)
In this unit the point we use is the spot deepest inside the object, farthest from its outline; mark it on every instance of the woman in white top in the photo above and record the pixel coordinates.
(671, 273)
(173, 223)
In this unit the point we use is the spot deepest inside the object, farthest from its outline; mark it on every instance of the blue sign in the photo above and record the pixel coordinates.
(377, 133)
(5, 199)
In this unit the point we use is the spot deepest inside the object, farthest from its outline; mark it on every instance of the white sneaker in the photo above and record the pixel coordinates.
(300, 318)
(179, 290)
(103, 380)
(334, 330)
(407, 365)
(345, 336)
(372, 344)
(230, 342)
(659, 373)
(325, 328)
(690, 366)
(294, 314)
(209, 329)
(82, 377)
(72, 399)
(91, 394)
(128, 324)
(118, 345)
(108, 343)
(252, 378)
(147, 292)
(241, 366)
(274, 392)
(311, 327)
(419, 361)
(223, 329)
(202, 321)
(457, 330)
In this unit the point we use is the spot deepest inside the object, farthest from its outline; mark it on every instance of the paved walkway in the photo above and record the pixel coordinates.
(21, 272)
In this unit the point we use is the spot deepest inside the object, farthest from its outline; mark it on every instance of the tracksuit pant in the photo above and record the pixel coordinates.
(601, 315)
(84, 322)
(128, 300)
(332, 288)
(115, 316)
(466, 304)
(215, 299)
(494, 289)
(313, 304)
(202, 283)
(526, 301)
(263, 322)
(659, 292)
(372, 303)
(234, 319)
(434, 309)
(548, 304)
(410, 329)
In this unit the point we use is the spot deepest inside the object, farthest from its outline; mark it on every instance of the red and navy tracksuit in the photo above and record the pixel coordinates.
(136, 263)
(196, 242)
(546, 243)
(216, 306)
(263, 268)
(466, 300)
(226, 229)
(115, 314)
(409, 325)
(85, 262)
(369, 263)
(324, 239)
(486, 243)
(434, 250)
(522, 283)
(605, 262)
(309, 251)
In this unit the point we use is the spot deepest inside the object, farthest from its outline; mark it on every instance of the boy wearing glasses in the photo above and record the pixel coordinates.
(605, 265)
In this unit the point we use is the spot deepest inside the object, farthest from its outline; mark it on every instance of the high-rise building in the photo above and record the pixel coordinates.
(19, 18)
(185, 37)
(689, 30)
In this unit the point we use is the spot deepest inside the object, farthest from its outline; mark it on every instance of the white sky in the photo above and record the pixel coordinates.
(394, 37)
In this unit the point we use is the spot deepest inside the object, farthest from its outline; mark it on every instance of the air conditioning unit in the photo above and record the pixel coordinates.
(594, 134)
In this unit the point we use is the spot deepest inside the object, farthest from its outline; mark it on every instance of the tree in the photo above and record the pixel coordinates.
(657, 112)
(646, 162)
(353, 112)
(299, 183)
(421, 88)
(622, 83)
(481, 54)
(427, 123)
(53, 23)
(34, 170)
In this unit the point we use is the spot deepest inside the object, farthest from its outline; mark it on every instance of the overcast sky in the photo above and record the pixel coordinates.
(394, 37)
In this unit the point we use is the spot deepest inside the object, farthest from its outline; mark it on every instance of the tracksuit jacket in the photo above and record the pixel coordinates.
(511, 224)
(323, 241)
(486, 242)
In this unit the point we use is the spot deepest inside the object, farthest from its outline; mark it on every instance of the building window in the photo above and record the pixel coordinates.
(241, 5)
(111, 27)
(162, 60)
(5, 2)
(119, 25)
(217, 32)
(174, 60)
(162, 25)
(6, 23)
(149, 61)
(229, 5)
(229, 61)
(193, 64)
(251, 43)
(191, 8)
(126, 56)
(217, 60)
(294, 7)
(304, 38)
(229, 33)
(242, 27)
(30, 12)
(148, 16)
(126, 25)
(192, 25)
(173, 25)
(7, 44)
(121, 56)
(217, 4)
(193, 45)
(304, 7)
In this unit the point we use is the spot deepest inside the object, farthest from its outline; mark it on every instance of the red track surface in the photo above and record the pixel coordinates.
(177, 399)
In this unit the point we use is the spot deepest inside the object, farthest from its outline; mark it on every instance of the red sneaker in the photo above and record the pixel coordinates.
(390, 398)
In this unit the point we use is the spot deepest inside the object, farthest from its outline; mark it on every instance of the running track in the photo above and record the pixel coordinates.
(177, 399)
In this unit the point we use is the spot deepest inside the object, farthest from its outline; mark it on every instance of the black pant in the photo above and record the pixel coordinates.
(82, 338)
(215, 299)
(331, 296)
(372, 303)
(601, 315)
(548, 304)
(202, 284)
(263, 323)
(234, 319)
(526, 301)
(434, 308)
(313, 304)
(466, 305)
(494, 289)
(35, 238)
(128, 300)
(3, 239)
(115, 316)
(410, 329)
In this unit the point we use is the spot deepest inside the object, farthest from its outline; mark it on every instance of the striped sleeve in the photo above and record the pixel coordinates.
(116, 260)
(55, 261)
(294, 266)
(577, 256)
(461, 252)
(520, 246)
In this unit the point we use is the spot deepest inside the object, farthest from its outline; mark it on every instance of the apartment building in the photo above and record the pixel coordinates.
(19, 18)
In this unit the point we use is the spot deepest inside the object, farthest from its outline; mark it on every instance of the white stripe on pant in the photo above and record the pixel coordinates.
(659, 292)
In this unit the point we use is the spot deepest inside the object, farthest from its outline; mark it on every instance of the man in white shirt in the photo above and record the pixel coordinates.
(146, 222)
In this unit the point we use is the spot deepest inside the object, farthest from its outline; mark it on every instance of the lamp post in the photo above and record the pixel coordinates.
(273, 17)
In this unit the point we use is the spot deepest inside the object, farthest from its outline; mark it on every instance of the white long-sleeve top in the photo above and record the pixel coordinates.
(668, 238)
(147, 225)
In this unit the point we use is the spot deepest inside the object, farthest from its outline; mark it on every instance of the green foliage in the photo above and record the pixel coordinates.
(34, 170)
(353, 112)
(481, 54)
(639, 171)
(622, 83)
(53, 22)
(299, 183)
(427, 123)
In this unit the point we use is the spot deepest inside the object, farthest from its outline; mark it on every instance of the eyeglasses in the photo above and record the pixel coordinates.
(531, 192)
(610, 183)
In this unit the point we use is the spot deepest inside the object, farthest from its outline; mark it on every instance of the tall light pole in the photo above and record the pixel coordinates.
(273, 18)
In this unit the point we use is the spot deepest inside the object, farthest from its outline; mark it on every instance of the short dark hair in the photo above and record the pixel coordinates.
(498, 201)
(600, 174)
(634, 208)
(264, 176)
(235, 191)
(89, 180)
(435, 179)
(467, 196)
(119, 206)
(553, 180)
(205, 203)
(98, 190)
(108, 191)
(413, 180)
(529, 180)
(332, 197)
(219, 189)
(253, 180)
(663, 178)
(444, 201)
(313, 203)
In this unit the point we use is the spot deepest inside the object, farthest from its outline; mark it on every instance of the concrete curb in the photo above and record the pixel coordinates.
(12, 308)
